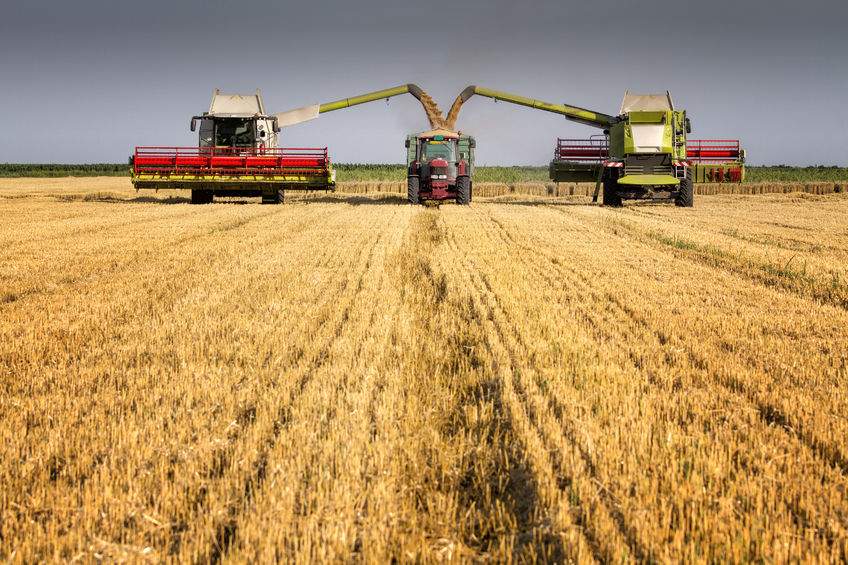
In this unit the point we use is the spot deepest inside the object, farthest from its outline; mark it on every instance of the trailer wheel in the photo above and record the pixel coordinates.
(686, 195)
(463, 190)
(611, 197)
(413, 185)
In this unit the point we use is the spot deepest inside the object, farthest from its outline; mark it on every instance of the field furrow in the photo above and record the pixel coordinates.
(349, 378)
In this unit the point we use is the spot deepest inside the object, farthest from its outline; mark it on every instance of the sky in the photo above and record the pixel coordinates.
(86, 81)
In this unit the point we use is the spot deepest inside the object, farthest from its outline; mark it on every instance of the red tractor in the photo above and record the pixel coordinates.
(440, 165)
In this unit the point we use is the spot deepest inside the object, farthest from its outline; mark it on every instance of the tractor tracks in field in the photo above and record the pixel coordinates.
(596, 514)
(627, 319)
(227, 531)
(764, 240)
(155, 252)
(354, 402)
(511, 485)
(769, 412)
(102, 229)
(777, 276)
(121, 313)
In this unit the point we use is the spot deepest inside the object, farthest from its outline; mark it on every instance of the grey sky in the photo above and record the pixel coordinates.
(85, 81)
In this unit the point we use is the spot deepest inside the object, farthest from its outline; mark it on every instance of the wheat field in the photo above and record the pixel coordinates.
(349, 378)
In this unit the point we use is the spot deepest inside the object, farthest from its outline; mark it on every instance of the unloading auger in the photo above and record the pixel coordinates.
(431, 109)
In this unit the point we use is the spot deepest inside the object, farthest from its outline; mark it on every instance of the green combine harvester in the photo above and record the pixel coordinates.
(642, 154)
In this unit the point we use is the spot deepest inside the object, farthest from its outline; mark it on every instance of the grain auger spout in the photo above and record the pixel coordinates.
(574, 113)
(434, 115)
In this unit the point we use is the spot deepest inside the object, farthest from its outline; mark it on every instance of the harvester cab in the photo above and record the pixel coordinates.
(236, 120)
(440, 166)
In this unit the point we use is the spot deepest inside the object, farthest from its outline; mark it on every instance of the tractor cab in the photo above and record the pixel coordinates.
(437, 156)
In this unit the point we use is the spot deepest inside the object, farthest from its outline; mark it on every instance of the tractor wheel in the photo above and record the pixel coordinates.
(611, 197)
(470, 191)
(463, 190)
(413, 184)
(686, 195)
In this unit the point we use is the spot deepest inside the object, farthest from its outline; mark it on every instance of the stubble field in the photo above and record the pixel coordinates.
(351, 378)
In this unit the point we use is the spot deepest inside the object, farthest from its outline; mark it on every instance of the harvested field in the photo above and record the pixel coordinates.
(495, 189)
(346, 377)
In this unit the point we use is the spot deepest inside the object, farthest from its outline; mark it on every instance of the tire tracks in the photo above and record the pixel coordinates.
(227, 531)
(697, 364)
(768, 411)
(534, 408)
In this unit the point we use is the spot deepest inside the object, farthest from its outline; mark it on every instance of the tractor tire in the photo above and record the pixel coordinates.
(413, 185)
(611, 197)
(463, 190)
(471, 191)
(199, 196)
(686, 195)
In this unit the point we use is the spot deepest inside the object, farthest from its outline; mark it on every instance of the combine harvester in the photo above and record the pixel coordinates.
(237, 152)
(642, 154)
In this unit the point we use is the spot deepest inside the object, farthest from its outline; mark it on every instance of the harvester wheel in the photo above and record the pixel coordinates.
(611, 197)
(201, 196)
(463, 190)
(413, 184)
(686, 195)
(274, 197)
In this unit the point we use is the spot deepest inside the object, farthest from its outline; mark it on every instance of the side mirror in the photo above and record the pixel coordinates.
(276, 126)
(472, 143)
(406, 144)
(688, 126)
(193, 124)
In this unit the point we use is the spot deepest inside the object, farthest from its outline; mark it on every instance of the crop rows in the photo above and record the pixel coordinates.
(348, 377)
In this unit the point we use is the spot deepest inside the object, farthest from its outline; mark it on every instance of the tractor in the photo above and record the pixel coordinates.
(440, 166)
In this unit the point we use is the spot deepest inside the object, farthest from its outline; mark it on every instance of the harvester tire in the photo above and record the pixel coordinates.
(272, 197)
(413, 186)
(611, 197)
(463, 190)
(686, 195)
(199, 196)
